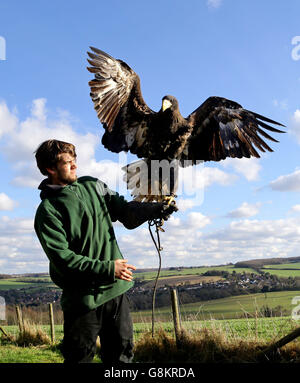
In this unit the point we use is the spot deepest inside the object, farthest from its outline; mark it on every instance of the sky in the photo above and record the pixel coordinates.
(247, 51)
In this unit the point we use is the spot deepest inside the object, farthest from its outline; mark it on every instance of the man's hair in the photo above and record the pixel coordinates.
(48, 153)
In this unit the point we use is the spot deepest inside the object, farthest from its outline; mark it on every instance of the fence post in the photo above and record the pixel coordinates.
(176, 315)
(52, 329)
(20, 318)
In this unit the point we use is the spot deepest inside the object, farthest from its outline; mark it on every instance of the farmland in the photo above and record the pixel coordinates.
(234, 320)
(25, 282)
(232, 307)
(191, 271)
(181, 273)
(195, 285)
(284, 266)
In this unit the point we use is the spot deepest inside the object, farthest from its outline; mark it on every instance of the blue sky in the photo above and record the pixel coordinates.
(241, 50)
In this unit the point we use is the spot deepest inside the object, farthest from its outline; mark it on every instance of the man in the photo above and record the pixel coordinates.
(74, 225)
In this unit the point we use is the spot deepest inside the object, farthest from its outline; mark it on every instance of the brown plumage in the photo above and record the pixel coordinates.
(217, 129)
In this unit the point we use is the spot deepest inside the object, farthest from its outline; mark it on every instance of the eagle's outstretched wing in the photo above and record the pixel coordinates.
(222, 128)
(119, 104)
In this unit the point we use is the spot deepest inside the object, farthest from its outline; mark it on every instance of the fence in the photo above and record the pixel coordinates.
(179, 333)
(21, 322)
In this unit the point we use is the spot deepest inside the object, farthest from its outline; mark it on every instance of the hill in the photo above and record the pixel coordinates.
(259, 263)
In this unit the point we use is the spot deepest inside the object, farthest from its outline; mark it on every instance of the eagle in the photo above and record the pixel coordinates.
(219, 128)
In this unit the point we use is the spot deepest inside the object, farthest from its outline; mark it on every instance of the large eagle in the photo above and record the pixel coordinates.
(217, 129)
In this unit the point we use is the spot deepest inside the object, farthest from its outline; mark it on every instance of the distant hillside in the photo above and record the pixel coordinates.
(258, 263)
(252, 264)
(30, 275)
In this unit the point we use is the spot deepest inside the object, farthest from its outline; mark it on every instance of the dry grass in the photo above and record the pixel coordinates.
(31, 335)
(195, 345)
(209, 346)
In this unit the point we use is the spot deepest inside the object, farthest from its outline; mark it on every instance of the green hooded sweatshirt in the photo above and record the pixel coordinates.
(74, 226)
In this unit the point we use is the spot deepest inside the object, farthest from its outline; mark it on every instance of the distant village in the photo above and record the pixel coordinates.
(227, 284)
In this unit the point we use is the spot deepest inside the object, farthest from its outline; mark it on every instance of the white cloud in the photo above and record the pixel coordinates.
(6, 203)
(185, 204)
(295, 209)
(214, 3)
(8, 120)
(246, 210)
(198, 220)
(288, 182)
(188, 242)
(195, 178)
(20, 251)
(21, 138)
(215, 175)
(247, 167)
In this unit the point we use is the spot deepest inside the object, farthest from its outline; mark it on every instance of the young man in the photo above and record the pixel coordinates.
(74, 225)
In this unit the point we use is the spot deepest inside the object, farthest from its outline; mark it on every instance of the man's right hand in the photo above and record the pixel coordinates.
(122, 270)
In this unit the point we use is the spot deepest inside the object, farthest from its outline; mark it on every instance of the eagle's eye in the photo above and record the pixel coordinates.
(166, 104)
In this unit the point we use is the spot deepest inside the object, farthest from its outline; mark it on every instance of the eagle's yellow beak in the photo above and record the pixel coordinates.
(166, 104)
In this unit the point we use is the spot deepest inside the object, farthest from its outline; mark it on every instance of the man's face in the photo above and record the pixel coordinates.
(65, 171)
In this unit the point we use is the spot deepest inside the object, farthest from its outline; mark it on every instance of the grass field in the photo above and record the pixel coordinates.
(176, 280)
(236, 319)
(18, 283)
(198, 319)
(283, 273)
(149, 275)
(295, 265)
(15, 283)
(225, 308)
(259, 330)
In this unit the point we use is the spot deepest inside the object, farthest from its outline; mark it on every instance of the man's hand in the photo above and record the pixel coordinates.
(167, 210)
(122, 270)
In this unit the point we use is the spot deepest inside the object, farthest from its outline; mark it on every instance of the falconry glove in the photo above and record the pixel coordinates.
(136, 213)
(166, 210)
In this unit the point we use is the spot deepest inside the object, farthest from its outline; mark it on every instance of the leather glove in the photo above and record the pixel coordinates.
(167, 210)
(137, 213)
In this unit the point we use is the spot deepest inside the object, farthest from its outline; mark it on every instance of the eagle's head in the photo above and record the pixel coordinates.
(169, 102)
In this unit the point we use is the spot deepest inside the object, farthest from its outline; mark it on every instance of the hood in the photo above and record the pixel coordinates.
(48, 190)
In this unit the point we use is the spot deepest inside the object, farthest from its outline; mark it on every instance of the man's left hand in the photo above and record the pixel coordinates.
(122, 270)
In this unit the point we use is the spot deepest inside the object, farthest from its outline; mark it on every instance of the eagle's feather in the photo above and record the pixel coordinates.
(217, 129)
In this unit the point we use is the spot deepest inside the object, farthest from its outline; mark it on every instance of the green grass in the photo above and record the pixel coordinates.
(40, 354)
(14, 330)
(211, 317)
(258, 330)
(236, 306)
(284, 266)
(224, 308)
(270, 329)
(6, 284)
(14, 283)
(283, 273)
